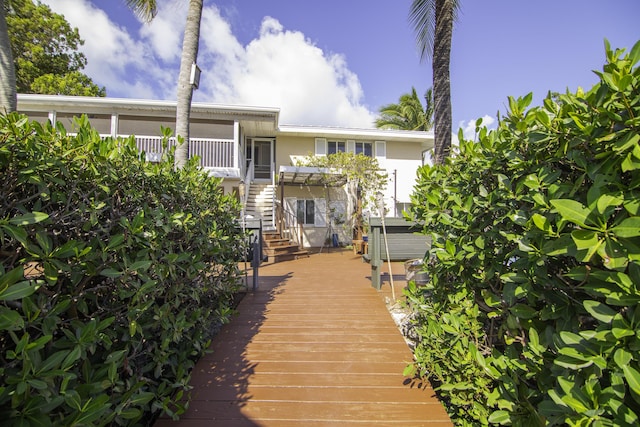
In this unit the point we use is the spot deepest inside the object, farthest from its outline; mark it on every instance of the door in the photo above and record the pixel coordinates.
(261, 152)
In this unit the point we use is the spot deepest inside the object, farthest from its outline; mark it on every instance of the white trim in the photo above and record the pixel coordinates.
(271, 142)
(115, 122)
(361, 134)
(320, 212)
(236, 145)
(380, 150)
(351, 146)
(149, 107)
(321, 147)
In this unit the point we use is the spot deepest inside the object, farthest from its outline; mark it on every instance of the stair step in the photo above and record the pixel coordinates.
(268, 235)
(282, 249)
(288, 256)
(276, 242)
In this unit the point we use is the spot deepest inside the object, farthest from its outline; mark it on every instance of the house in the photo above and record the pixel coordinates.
(255, 154)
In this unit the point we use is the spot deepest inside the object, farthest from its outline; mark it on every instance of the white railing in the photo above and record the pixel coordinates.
(213, 153)
(287, 224)
(247, 180)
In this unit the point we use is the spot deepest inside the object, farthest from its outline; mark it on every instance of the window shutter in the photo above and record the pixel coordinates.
(351, 146)
(321, 146)
(381, 149)
(320, 219)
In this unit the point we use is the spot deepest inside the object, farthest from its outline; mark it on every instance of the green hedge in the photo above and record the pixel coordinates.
(532, 314)
(113, 274)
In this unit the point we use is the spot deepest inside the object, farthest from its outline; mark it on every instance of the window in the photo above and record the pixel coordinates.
(364, 148)
(306, 212)
(310, 212)
(334, 147)
(369, 149)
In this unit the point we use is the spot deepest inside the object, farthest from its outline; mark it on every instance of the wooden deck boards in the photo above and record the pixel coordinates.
(314, 346)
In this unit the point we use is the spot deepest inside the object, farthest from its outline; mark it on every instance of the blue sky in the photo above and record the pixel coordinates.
(334, 63)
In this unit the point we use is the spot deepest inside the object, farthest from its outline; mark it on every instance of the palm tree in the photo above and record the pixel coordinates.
(409, 113)
(8, 98)
(146, 9)
(432, 21)
(185, 88)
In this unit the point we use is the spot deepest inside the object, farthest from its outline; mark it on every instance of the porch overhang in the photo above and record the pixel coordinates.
(311, 176)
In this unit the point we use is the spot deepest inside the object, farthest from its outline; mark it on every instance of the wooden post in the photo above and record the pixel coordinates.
(376, 262)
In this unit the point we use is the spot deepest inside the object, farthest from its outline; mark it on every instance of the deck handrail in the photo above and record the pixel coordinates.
(287, 224)
(248, 179)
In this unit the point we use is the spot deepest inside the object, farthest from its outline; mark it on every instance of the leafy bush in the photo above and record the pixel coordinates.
(532, 314)
(113, 273)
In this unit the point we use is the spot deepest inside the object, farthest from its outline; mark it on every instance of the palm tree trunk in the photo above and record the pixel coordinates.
(185, 90)
(441, 80)
(8, 100)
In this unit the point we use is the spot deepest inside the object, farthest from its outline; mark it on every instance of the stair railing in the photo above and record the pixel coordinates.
(248, 179)
(287, 224)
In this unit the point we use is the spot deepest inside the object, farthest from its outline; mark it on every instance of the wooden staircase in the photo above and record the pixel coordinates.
(277, 248)
(260, 204)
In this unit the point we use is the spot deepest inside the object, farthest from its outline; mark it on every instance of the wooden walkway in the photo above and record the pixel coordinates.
(314, 346)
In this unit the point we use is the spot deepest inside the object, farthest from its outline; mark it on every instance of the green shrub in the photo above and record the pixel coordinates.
(532, 314)
(113, 272)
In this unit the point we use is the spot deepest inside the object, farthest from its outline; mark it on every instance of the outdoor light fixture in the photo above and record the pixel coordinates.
(194, 78)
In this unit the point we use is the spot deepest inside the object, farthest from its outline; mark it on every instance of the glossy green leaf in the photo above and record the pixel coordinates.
(67, 250)
(141, 398)
(613, 254)
(115, 241)
(111, 273)
(30, 218)
(632, 204)
(585, 239)
(634, 54)
(17, 233)
(71, 358)
(500, 417)
(630, 227)
(19, 291)
(130, 413)
(53, 361)
(600, 311)
(622, 357)
(571, 210)
(587, 242)
(10, 319)
(574, 403)
(140, 265)
(632, 377)
(541, 222)
(450, 247)
(524, 311)
(13, 276)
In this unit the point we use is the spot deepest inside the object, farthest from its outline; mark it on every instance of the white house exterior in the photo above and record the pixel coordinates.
(249, 145)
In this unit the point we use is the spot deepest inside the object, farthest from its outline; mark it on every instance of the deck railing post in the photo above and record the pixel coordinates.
(374, 247)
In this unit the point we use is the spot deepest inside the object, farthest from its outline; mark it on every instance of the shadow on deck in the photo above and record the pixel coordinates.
(314, 346)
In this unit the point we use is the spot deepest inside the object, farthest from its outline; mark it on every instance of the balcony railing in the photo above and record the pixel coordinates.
(213, 153)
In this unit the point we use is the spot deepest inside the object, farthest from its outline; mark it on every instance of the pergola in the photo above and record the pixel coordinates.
(309, 176)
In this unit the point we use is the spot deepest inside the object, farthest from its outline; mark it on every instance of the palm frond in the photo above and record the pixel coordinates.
(144, 9)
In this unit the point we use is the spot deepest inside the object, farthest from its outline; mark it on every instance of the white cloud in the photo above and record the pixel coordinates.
(469, 128)
(282, 68)
(279, 68)
(115, 58)
(164, 32)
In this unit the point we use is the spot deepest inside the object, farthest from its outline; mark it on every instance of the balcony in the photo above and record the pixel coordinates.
(220, 157)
